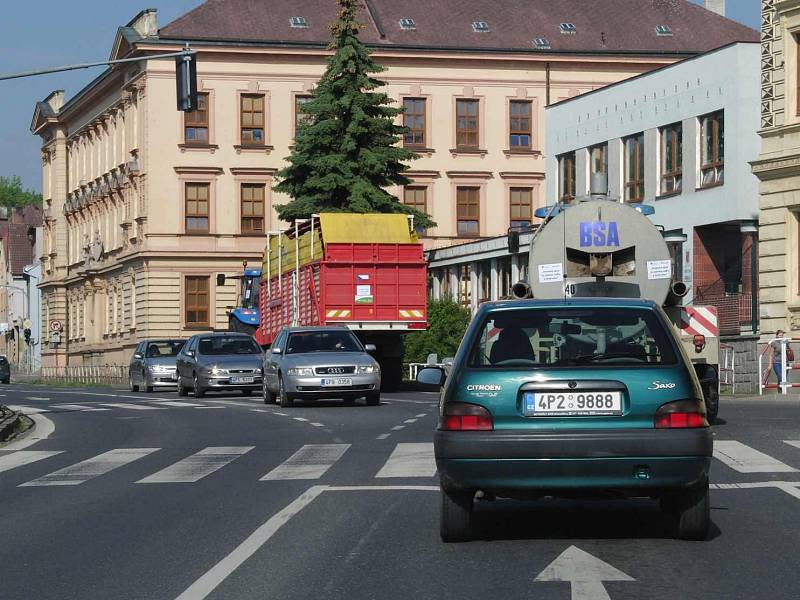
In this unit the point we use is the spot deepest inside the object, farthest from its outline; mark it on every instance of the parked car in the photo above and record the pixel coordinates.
(320, 362)
(153, 365)
(5, 370)
(585, 398)
(219, 362)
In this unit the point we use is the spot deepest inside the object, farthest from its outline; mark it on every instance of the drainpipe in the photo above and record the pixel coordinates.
(547, 84)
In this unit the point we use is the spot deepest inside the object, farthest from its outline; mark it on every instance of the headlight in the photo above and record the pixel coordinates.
(217, 371)
(302, 371)
(368, 369)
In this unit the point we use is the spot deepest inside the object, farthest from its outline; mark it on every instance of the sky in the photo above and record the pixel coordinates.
(50, 33)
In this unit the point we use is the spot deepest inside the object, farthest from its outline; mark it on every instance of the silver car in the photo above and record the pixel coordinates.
(219, 362)
(153, 365)
(320, 362)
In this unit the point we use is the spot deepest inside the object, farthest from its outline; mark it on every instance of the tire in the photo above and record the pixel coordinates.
(455, 520)
(134, 388)
(269, 397)
(373, 399)
(694, 513)
(148, 389)
(198, 391)
(286, 400)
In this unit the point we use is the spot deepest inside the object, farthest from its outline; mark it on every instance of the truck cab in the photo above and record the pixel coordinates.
(245, 317)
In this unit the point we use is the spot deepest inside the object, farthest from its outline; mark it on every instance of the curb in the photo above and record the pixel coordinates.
(12, 425)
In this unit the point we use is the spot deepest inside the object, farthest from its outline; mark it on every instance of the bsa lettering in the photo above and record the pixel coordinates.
(599, 233)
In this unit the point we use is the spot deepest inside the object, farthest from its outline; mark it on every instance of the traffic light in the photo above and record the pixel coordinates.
(186, 81)
(513, 241)
(27, 333)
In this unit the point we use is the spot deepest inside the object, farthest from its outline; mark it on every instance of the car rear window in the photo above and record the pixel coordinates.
(322, 341)
(572, 337)
(164, 348)
(220, 345)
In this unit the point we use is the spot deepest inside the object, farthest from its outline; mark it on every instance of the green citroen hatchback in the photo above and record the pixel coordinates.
(575, 398)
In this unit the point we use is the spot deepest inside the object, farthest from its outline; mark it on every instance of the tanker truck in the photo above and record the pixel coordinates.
(603, 248)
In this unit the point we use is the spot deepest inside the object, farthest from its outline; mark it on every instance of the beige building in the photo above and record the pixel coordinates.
(145, 205)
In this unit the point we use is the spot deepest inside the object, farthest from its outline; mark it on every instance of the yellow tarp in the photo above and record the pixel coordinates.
(348, 228)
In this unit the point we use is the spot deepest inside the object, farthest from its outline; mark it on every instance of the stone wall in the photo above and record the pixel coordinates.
(746, 348)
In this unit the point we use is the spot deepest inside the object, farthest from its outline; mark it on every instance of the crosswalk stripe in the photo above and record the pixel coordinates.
(310, 462)
(743, 458)
(795, 443)
(410, 460)
(92, 467)
(198, 465)
(131, 406)
(174, 403)
(80, 407)
(24, 457)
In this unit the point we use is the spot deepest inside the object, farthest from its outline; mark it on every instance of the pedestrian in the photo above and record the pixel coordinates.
(776, 357)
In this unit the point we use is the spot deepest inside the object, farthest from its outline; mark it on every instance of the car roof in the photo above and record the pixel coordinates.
(570, 302)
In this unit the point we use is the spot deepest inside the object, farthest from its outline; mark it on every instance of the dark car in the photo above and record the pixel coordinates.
(219, 362)
(577, 398)
(5, 370)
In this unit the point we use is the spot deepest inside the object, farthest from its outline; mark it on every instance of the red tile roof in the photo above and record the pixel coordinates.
(602, 25)
(18, 248)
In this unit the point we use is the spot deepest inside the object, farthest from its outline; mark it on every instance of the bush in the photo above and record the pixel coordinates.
(447, 322)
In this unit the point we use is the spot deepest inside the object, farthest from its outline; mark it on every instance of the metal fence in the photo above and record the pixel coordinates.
(110, 374)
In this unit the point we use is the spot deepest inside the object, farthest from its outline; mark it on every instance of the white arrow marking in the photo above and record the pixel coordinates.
(585, 572)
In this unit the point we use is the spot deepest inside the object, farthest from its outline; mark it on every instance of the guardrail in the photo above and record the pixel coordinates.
(87, 374)
(727, 368)
(413, 368)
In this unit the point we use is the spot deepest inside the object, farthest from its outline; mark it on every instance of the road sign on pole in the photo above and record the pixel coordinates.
(55, 325)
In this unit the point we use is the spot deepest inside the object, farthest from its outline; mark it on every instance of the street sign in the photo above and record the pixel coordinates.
(27, 324)
(55, 337)
(55, 325)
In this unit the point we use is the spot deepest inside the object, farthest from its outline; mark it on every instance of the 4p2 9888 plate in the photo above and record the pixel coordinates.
(572, 404)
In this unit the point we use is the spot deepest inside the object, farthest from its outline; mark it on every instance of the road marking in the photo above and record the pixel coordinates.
(36, 398)
(80, 407)
(419, 416)
(131, 406)
(198, 465)
(258, 410)
(398, 427)
(174, 403)
(317, 424)
(790, 487)
(219, 572)
(310, 462)
(383, 436)
(196, 407)
(24, 457)
(410, 421)
(92, 467)
(410, 460)
(795, 443)
(281, 414)
(28, 410)
(745, 459)
(586, 574)
(300, 419)
(408, 401)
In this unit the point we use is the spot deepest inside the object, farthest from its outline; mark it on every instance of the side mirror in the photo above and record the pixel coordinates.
(370, 348)
(138, 355)
(275, 350)
(431, 376)
(190, 353)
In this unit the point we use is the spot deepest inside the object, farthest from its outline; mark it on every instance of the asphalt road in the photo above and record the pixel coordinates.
(155, 497)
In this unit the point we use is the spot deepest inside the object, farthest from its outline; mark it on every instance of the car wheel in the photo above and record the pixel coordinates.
(134, 388)
(198, 391)
(147, 388)
(455, 521)
(268, 396)
(286, 399)
(373, 399)
(694, 513)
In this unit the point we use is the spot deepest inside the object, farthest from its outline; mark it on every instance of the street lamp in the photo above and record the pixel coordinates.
(751, 228)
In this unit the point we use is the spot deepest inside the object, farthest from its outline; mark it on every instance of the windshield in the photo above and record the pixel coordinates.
(164, 348)
(250, 292)
(572, 337)
(323, 341)
(220, 345)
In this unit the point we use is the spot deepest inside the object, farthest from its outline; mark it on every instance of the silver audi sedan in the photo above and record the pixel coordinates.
(219, 362)
(320, 362)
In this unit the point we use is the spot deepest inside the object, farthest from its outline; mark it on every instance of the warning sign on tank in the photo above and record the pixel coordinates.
(659, 269)
(364, 294)
(551, 273)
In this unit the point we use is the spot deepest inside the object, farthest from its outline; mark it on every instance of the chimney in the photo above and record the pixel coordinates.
(145, 23)
(717, 6)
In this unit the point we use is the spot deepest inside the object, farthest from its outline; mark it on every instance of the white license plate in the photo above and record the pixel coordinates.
(336, 381)
(572, 404)
(242, 379)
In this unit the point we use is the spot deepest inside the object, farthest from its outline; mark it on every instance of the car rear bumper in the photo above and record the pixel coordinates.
(628, 460)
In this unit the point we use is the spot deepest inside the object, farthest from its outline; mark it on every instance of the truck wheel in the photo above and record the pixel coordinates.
(286, 399)
(712, 403)
(694, 516)
(455, 521)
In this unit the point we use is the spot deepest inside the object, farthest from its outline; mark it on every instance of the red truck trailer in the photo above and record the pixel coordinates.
(364, 271)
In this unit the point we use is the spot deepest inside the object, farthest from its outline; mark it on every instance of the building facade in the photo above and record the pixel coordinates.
(144, 205)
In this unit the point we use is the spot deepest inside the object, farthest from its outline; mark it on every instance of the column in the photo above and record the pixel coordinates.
(494, 280)
(474, 270)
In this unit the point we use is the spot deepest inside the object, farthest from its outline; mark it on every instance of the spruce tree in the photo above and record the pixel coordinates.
(347, 152)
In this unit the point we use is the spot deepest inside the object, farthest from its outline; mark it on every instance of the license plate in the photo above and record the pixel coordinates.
(572, 404)
(174, 376)
(336, 381)
(242, 379)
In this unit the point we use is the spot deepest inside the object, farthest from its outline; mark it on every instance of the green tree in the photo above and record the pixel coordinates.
(447, 322)
(347, 152)
(12, 194)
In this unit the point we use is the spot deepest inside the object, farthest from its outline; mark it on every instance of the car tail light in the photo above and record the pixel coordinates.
(461, 416)
(682, 414)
